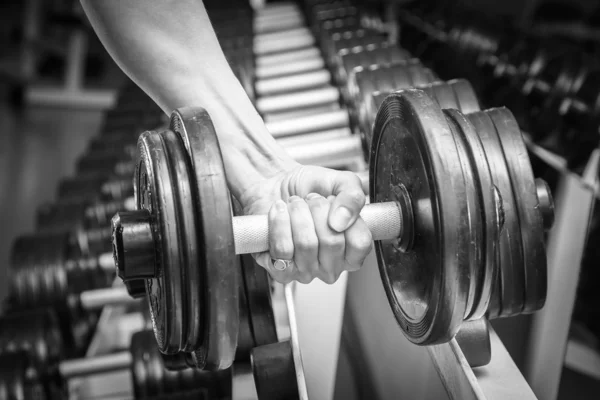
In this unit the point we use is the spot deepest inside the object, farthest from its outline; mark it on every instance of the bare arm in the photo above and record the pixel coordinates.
(169, 48)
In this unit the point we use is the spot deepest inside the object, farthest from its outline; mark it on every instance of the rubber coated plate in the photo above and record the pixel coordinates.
(530, 216)
(245, 336)
(258, 292)
(463, 131)
(456, 94)
(427, 286)
(216, 246)
(163, 188)
(488, 208)
(508, 294)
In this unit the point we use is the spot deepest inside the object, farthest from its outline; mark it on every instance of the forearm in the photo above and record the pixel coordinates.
(170, 50)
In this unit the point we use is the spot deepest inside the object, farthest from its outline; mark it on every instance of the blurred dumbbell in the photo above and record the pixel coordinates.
(83, 214)
(49, 269)
(94, 187)
(143, 361)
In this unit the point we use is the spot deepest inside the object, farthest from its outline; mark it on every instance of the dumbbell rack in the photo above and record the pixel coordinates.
(549, 348)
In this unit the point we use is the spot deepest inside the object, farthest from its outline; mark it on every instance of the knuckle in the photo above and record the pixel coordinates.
(329, 279)
(362, 243)
(282, 247)
(333, 242)
(356, 198)
(306, 241)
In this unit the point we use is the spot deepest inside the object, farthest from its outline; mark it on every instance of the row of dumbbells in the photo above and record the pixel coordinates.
(72, 255)
(552, 85)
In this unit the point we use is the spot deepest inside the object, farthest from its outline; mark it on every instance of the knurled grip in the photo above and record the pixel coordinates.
(251, 232)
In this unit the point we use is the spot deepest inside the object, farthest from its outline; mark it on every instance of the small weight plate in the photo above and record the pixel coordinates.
(258, 292)
(511, 286)
(162, 187)
(215, 244)
(427, 285)
(489, 208)
(527, 207)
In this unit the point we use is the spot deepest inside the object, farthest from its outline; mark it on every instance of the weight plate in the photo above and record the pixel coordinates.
(527, 202)
(457, 94)
(20, 380)
(258, 291)
(509, 291)
(160, 182)
(365, 84)
(475, 221)
(274, 371)
(35, 331)
(427, 285)
(215, 231)
(245, 336)
(489, 207)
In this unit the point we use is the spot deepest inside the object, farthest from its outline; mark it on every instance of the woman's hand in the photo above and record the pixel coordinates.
(313, 220)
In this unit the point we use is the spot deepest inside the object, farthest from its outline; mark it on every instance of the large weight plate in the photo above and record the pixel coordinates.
(427, 286)
(162, 187)
(489, 207)
(527, 202)
(215, 241)
(366, 83)
(508, 294)
(460, 129)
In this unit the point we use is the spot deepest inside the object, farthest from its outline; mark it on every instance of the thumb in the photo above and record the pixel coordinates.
(349, 200)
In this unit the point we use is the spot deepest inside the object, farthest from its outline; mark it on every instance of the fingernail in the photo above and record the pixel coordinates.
(280, 206)
(293, 198)
(340, 218)
(311, 196)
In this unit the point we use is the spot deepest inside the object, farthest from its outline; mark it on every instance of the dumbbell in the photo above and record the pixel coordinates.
(54, 272)
(418, 248)
(370, 88)
(94, 187)
(149, 376)
(317, 97)
(79, 215)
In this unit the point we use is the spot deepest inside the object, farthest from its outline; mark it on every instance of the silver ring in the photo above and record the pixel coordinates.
(281, 265)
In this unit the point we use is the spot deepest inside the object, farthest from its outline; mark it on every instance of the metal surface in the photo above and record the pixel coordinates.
(310, 123)
(295, 341)
(95, 365)
(293, 83)
(98, 298)
(499, 380)
(308, 98)
(288, 63)
(566, 241)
